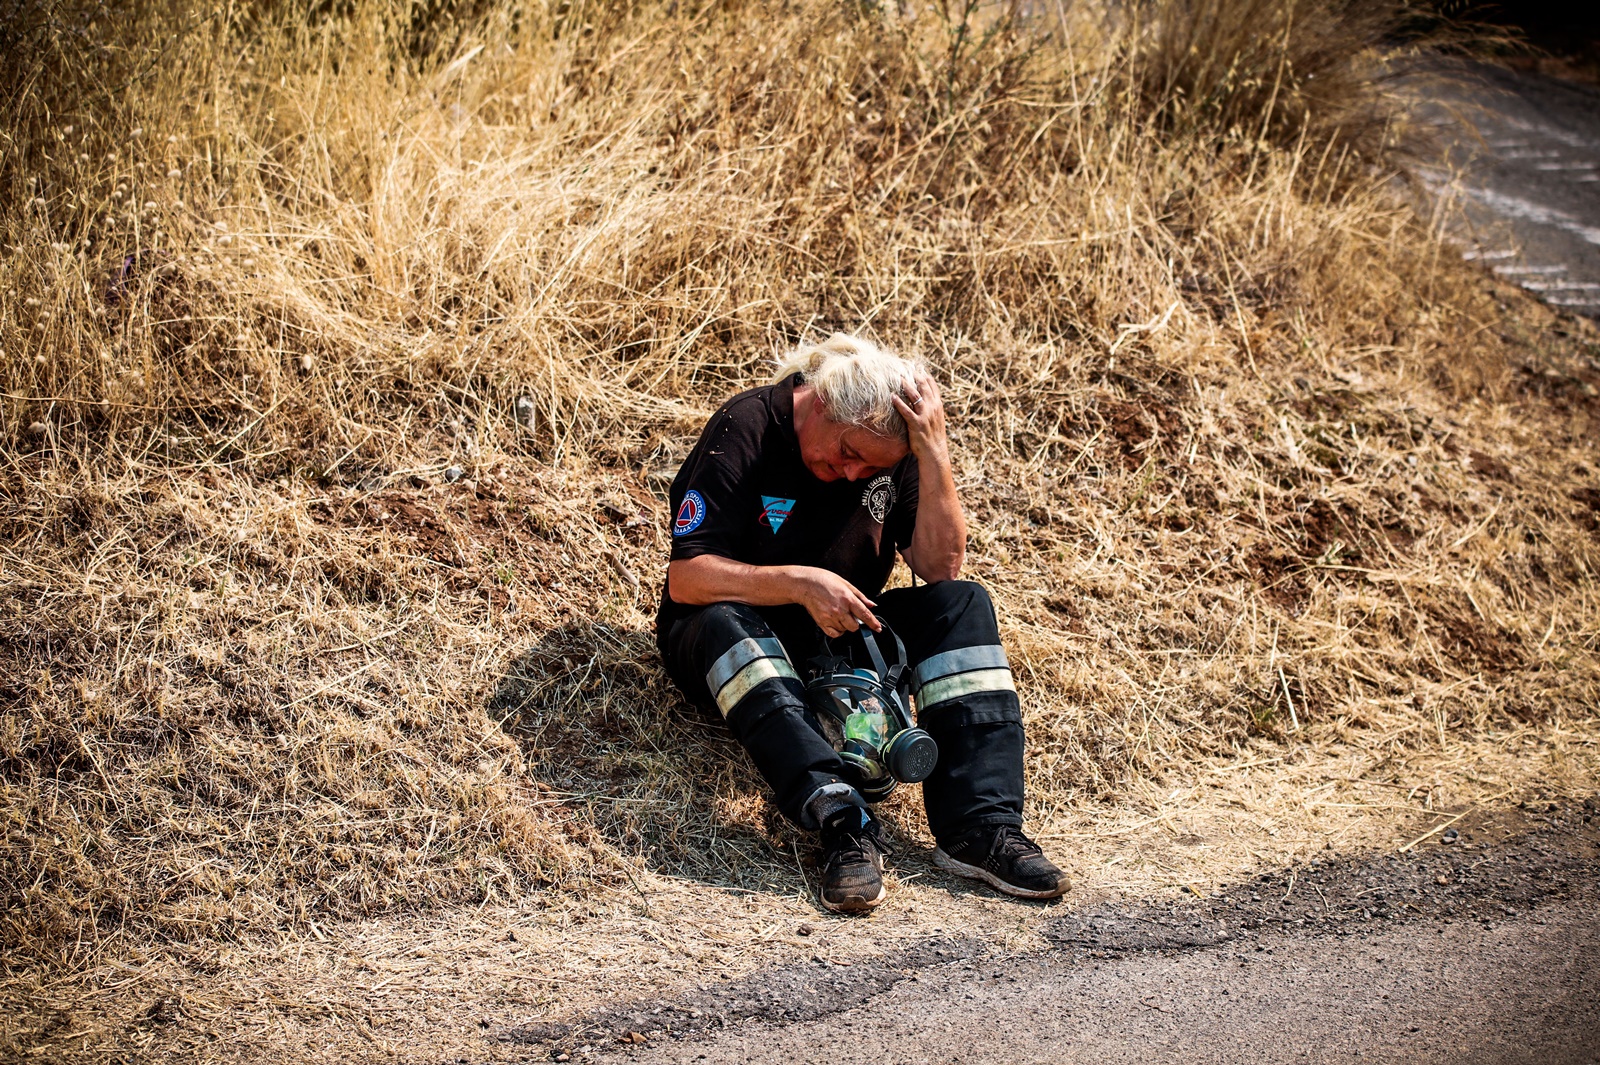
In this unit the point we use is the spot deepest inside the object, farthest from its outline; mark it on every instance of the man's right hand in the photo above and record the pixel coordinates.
(836, 605)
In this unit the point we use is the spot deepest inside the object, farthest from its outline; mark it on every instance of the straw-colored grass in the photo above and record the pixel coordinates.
(346, 359)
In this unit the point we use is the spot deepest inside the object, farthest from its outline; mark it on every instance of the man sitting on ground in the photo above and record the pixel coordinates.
(787, 517)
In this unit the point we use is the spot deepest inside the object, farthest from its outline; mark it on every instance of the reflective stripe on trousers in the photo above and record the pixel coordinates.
(743, 666)
(960, 673)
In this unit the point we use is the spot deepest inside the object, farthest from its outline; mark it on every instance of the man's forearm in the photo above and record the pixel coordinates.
(836, 605)
(708, 579)
(939, 544)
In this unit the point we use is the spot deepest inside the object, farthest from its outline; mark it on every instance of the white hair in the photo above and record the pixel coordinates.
(855, 380)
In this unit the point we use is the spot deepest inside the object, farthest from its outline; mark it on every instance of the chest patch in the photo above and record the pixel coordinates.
(879, 496)
(775, 511)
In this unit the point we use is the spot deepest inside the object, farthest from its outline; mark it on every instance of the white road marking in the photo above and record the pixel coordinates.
(1561, 286)
(1561, 136)
(1522, 204)
(1518, 271)
(1515, 207)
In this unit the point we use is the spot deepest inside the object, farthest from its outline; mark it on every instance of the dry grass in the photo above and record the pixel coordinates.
(1252, 457)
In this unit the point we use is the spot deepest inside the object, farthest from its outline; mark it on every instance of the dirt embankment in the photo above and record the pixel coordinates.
(344, 360)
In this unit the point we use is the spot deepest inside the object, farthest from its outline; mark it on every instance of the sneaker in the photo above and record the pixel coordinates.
(852, 864)
(1002, 857)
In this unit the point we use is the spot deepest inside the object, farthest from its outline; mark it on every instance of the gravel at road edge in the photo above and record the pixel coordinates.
(1486, 947)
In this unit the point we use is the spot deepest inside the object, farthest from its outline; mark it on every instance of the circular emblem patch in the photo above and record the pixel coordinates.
(691, 512)
(879, 496)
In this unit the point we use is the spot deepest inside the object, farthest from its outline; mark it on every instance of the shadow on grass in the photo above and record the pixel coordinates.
(661, 780)
(602, 726)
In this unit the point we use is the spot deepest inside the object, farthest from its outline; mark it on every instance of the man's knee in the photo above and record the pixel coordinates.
(935, 617)
(728, 622)
(959, 596)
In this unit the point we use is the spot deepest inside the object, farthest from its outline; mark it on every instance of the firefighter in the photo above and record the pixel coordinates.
(787, 516)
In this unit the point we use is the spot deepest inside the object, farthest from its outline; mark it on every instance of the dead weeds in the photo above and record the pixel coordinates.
(337, 417)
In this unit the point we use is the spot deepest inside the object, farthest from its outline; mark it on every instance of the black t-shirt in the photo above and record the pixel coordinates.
(744, 493)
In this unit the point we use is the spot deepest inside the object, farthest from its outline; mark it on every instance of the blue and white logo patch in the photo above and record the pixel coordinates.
(775, 511)
(691, 512)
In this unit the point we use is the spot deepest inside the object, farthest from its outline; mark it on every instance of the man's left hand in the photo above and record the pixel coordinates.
(923, 412)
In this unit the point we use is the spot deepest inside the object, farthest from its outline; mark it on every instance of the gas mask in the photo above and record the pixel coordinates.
(863, 705)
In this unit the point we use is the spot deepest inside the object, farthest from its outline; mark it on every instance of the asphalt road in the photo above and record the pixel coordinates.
(1524, 991)
(1524, 153)
(1484, 949)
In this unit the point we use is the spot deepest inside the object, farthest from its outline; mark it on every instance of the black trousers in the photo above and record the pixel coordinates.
(746, 663)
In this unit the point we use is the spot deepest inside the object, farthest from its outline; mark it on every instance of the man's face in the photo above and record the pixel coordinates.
(831, 451)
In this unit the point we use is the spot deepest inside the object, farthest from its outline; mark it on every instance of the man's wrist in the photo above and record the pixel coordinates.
(795, 579)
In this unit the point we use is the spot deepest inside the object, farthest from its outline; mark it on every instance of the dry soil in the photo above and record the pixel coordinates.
(1481, 946)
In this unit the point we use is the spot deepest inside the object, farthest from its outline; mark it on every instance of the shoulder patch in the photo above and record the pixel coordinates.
(775, 511)
(691, 512)
(879, 496)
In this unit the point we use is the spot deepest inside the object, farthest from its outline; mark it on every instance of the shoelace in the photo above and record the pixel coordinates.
(1010, 841)
(853, 845)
